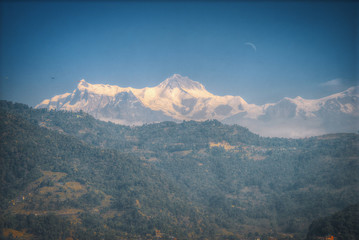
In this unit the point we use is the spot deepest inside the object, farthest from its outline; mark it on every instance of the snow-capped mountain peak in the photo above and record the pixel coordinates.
(82, 84)
(178, 81)
(101, 89)
(180, 98)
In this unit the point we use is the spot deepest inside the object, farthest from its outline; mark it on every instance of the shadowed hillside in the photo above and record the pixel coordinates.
(342, 225)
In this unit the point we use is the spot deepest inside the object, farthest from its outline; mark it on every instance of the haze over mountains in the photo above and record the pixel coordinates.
(179, 98)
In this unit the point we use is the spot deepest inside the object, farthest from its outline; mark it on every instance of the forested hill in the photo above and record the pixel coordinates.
(189, 180)
(344, 225)
(57, 186)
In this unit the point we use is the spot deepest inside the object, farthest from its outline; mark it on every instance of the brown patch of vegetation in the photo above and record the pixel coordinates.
(76, 186)
(222, 144)
(16, 234)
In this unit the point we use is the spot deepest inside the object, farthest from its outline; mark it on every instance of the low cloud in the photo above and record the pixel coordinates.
(332, 83)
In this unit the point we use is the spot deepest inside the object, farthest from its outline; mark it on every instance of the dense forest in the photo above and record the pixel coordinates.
(68, 175)
(343, 225)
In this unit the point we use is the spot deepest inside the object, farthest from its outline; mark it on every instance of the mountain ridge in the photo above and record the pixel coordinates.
(179, 98)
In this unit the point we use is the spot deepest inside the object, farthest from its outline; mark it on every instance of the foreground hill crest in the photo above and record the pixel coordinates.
(180, 98)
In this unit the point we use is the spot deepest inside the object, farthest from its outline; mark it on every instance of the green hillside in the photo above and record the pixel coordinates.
(87, 192)
(342, 225)
(188, 180)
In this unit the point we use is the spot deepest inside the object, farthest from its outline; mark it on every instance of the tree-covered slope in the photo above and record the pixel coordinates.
(244, 185)
(343, 225)
(44, 172)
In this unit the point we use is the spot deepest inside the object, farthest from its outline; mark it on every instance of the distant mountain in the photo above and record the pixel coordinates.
(299, 117)
(180, 98)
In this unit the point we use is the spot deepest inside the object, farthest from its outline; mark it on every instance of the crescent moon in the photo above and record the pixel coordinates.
(252, 45)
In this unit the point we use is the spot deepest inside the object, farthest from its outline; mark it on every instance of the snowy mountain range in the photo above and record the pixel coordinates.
(179, 98)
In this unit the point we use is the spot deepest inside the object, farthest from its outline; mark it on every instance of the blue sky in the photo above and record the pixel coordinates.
(261, 50)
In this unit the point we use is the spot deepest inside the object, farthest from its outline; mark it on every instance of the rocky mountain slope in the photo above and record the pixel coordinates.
(180, 98)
